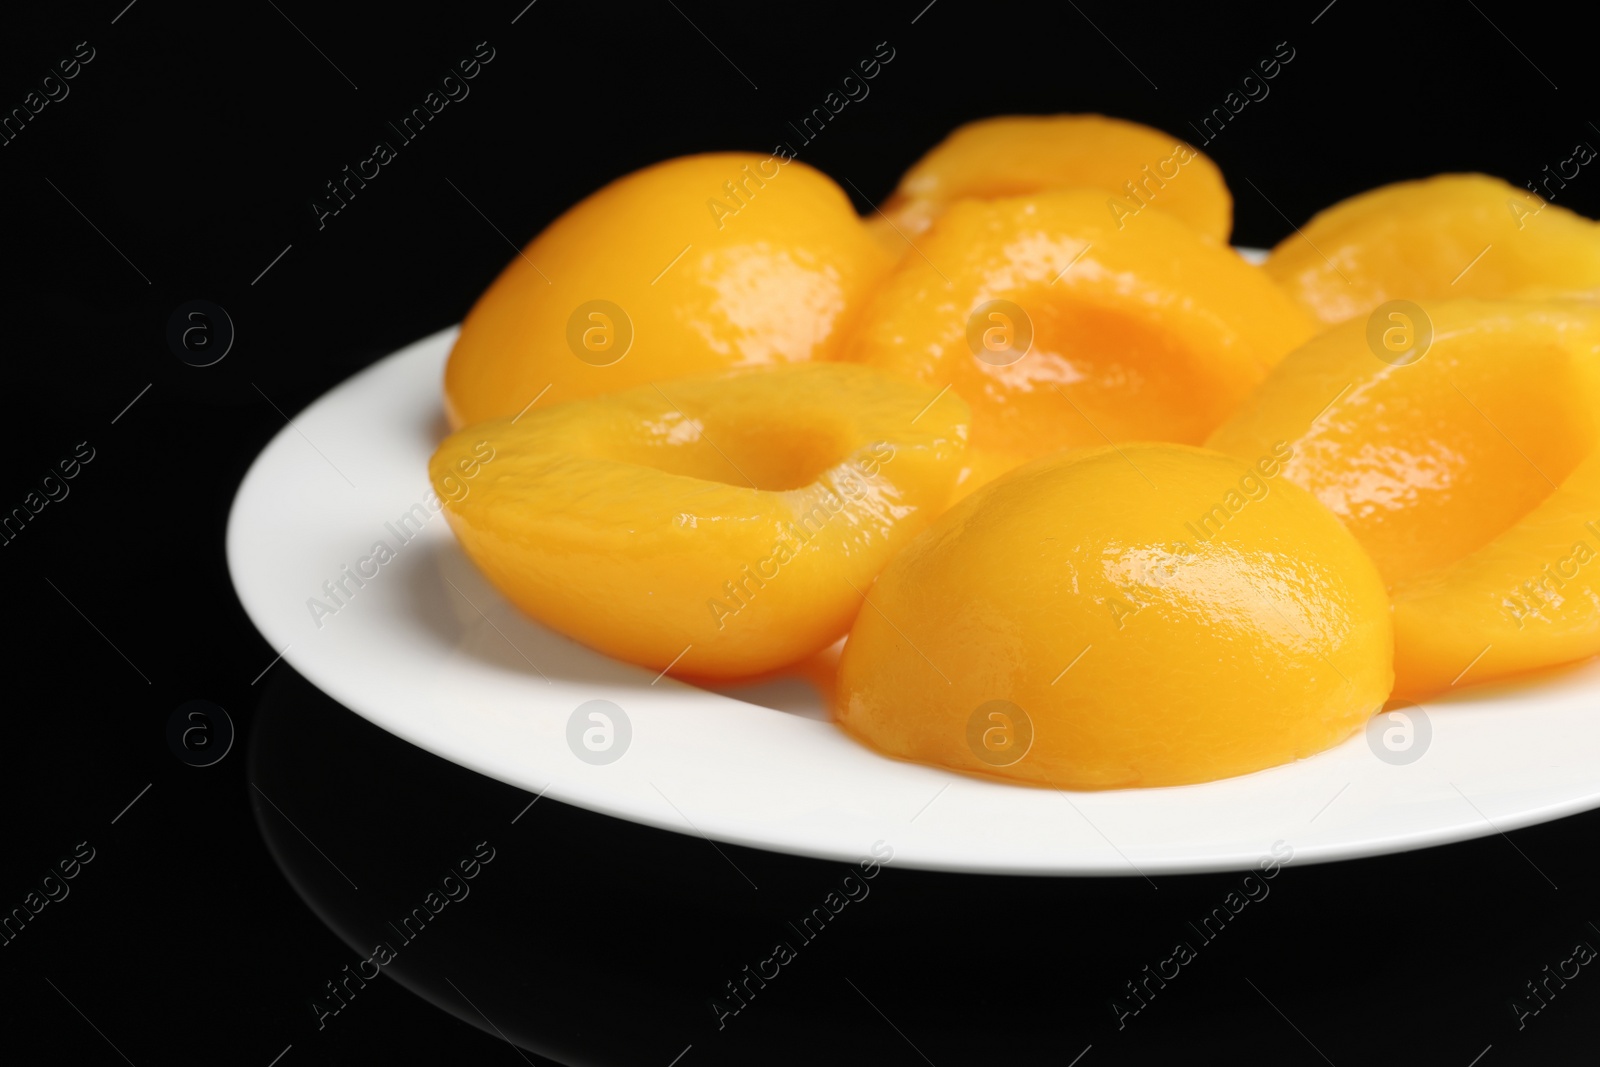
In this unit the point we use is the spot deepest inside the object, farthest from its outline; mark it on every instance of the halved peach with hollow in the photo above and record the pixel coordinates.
(1428, 453)
(1453, 236)
(691, 266)
(1529, 598)
(1060, 329)
(1131, 165)
(726, 524)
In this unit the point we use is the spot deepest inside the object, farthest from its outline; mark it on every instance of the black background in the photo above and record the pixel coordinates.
(185, 159)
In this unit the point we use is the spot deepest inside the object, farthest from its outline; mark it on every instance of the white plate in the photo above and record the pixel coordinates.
(429, 651)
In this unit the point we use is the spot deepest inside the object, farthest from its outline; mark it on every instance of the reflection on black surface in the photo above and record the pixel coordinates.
(591, 940)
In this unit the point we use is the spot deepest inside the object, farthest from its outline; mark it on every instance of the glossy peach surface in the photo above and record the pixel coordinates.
(699, 264)
(1114, 617)
(1131, 165)
(1429, 460)
(722, 525)
(1061, 329)
(1453, 236)
(1529, 598)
